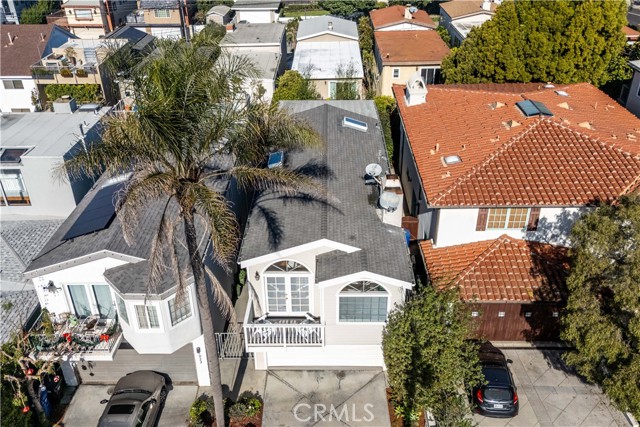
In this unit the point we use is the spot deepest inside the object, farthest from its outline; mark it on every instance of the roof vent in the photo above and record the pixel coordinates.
(496, 105)
(349, 122)
(549, 86)
(330, 26)
(564, 105)
(533, 108)
(451, 160)
(389, 201)
(586, 125)
(511, 124)
(561, 93)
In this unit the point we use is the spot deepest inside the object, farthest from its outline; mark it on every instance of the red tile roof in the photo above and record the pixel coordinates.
(589, 150)
(504, 269)
(26, 47)
(393, 15)
(459, 8)
(631, 34)
(410, 47)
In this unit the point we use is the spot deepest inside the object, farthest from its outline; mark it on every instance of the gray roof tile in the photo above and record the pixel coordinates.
(320, 25)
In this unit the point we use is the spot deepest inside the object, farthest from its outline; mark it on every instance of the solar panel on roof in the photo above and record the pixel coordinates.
(275, 159)
(98, 213)
(533, 108)
(542, 109)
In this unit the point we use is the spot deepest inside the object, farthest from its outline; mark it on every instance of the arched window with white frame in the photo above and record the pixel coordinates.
(363, 302)
(287, 285)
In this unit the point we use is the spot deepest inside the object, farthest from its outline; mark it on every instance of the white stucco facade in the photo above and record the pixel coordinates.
(256, 16)
(405, 26)
(16, 100)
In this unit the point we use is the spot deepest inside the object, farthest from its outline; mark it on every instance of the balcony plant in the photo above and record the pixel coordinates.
(81, 72)
(65, 72)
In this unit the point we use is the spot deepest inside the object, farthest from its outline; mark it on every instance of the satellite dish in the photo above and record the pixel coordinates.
(373, 169)
(389, 201)
(413, 9)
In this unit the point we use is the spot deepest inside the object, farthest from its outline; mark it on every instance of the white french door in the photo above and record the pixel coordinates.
(288, 294)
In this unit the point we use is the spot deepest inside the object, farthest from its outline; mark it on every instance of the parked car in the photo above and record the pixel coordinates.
(498, 396)
(136, 401)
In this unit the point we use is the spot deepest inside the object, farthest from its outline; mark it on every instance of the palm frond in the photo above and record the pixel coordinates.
(222, 299)
(281, 180)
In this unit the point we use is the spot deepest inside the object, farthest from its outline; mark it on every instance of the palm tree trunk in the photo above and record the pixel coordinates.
(205, 316)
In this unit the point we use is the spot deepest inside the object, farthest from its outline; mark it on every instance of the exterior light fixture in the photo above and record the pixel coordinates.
(257, 276)
(51, 287)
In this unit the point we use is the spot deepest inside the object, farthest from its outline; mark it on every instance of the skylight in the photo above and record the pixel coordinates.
(275, 159)
(533, 108)
(562, 93)
(12, 155)
(452, 160)
(355, 124)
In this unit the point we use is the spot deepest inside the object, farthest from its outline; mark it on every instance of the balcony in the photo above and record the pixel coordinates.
(87, 337)
(66, 73)
(271, 331)
(136, 17)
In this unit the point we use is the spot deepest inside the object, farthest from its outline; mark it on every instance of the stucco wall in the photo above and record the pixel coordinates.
(17, 98)
(150, 17)
(406, 71)
(322, 86)
(88, 32)
(256, 16)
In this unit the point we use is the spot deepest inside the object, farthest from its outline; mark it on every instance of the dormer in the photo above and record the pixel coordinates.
(416, 91)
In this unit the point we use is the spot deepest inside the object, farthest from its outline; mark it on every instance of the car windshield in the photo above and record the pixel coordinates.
(132, 390)
(121, 409)
(498, 394)
(496, 375)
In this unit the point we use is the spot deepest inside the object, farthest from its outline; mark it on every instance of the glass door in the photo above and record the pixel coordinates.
(80, 300)
(104, 302)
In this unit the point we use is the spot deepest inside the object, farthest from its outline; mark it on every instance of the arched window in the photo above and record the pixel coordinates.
(287, 286)
(363, 302)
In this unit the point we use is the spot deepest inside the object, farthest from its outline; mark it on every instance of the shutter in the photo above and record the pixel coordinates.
(534, 215)
(483, 213)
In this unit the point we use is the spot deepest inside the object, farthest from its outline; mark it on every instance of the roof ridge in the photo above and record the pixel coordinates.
(494, 154)
(596, 139)
(504, 238)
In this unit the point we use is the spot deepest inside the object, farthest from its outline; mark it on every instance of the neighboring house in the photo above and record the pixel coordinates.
(267, 66)
(88, 272)
(256, 11)
(401, 18)
(32, 146)
(399, 54)
(22, 45)
(11, 10)
(630, 94)
(78, 61)
(164, 18)
(95, 18)
(490, 169)
(326, 272)
(630, 34)
(328, 53)
(219, 14)
(460, 16)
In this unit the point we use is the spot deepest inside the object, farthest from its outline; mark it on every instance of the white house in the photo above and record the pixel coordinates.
(22, 46)
(325, 272)
(32, 146)
(95, 285)
(508, 165)
(459, 17)
(256, 11)
(267, 67)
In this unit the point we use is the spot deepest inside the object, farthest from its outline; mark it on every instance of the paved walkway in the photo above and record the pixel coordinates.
(552, 396)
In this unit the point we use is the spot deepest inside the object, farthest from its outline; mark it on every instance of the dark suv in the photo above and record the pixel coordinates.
(498, 397)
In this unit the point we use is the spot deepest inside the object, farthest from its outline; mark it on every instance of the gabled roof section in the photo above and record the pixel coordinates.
(462, 8)
(256, 5)
(327, 25)
(410, 47)
(588, 151)
(393, 15)
(324, 60)
(29, 43)
(504, 269)
(347, 215)
(254, 35)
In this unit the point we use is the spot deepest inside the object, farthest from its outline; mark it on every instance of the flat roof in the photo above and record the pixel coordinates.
(256, 4)
(323, 59)
(266, 63)
(50, 134)
(464, 27)
(254, 34)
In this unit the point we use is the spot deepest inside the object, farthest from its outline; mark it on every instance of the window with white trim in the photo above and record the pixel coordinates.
(147, 317)
(14, 190)
(507, 218)
(162, 13)
(13, 84)
(287, 285)
(84, 14)
(363, 302)
(179, 311)
(396, 73)
(122, 309)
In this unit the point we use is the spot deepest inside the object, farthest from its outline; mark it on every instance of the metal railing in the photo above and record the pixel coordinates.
(273, 334)
(84, 336)
(230, 345)
(48, 71)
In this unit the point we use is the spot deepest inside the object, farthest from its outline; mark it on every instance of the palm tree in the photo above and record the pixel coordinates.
(192, 127)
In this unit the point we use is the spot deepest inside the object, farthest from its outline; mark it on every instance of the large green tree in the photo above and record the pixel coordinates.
(293, 85)
(562, 41)
(347, 7)
(602, 319)
(428, 357)
(37, 13)
(191, 129)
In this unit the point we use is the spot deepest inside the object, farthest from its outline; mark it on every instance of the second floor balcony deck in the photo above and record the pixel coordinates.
(73, 74)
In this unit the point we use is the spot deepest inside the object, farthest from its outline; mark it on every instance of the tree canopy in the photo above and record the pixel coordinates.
(428, 357)
(37, 13)
(560, 41)
(293, 85)
(602, 319)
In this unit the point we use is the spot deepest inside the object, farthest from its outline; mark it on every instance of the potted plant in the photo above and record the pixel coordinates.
(65, 72)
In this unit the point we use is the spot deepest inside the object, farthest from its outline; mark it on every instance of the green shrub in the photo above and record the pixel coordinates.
(81, 73)
(248, 405)
(386, 105)
(82, 93)
(65, 72)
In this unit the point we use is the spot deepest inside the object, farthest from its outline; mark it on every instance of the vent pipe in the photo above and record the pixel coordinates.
(330, 26)
(10, 39)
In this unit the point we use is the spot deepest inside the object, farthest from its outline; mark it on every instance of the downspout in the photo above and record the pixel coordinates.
(108, 10)
(186, 20)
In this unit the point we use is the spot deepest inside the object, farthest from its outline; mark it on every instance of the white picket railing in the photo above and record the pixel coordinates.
(283, 335)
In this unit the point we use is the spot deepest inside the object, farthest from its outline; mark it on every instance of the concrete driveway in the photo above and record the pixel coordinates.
(551, 395)
(325, 398)
(85, 408)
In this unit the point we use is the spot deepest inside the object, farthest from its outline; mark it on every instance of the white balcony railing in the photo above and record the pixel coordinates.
(283, 335)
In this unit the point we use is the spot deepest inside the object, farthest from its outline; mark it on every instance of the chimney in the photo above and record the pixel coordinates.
(486, 5)
(407, 13)
(231, 26)
(416, 91)
(330, 26)
(10, 39)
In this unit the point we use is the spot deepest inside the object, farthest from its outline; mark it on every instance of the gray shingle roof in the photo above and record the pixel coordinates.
(158, 4)
(256, 4)
(219, 10)
(320, 25)
(254, 34)
(349, 217)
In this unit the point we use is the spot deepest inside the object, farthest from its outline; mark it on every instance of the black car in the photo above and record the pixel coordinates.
(498, 397)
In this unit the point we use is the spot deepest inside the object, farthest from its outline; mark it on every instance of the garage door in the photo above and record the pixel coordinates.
(180, 366)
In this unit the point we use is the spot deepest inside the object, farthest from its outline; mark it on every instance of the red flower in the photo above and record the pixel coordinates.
(25, 409)
(29, 371)
(56, 379)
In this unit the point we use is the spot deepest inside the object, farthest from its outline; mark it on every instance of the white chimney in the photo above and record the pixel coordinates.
(416, 91)
(330, 26)
(486, 5)
(41, 37)
(407, 13)
(10, 38)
